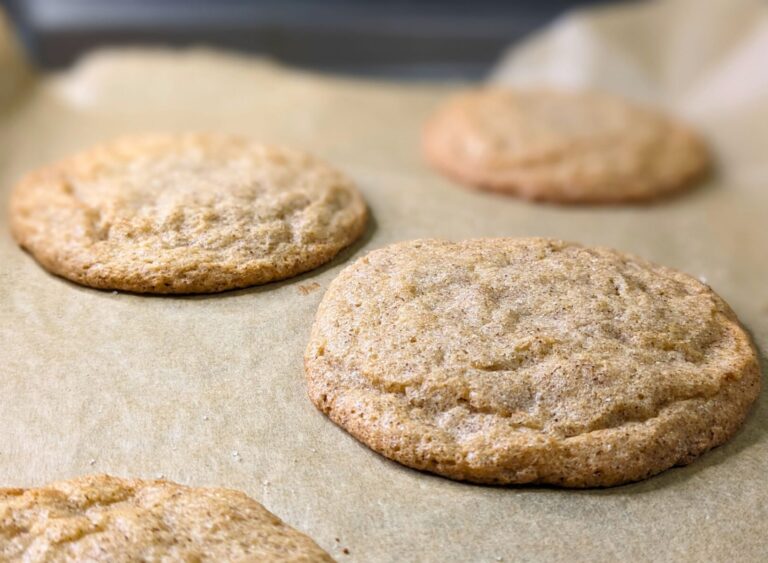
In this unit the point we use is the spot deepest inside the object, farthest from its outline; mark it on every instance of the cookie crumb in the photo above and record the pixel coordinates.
(345, 551)
(308, 288)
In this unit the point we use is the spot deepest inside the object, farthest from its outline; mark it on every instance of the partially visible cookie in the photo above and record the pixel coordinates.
(103, 518)
(185, 213)
(562, 146)
(529, 361)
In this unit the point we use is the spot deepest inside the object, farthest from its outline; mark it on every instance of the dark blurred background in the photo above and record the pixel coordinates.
(432, 39)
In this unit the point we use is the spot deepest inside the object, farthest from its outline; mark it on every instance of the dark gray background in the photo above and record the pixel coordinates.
(404, 38)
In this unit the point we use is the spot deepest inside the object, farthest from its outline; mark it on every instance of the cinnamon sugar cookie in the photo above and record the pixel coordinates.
(103, 518)
(529, 361)
(185, 213)
(562, 146)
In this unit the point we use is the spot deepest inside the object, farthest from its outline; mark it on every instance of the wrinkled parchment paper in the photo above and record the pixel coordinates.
(209, 390)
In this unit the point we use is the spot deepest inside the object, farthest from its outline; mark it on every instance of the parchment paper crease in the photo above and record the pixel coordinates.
(210, 390)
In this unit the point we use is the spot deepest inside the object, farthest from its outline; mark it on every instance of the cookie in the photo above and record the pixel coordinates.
(529, 361)
(103, 518)
(560, 146)
(185, 213)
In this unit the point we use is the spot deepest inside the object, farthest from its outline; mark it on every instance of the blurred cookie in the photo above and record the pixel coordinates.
(529, 361)
(102, 518)
(185, 213)
(562, 146)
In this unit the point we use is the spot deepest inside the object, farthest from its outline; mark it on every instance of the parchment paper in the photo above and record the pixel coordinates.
(210, 390)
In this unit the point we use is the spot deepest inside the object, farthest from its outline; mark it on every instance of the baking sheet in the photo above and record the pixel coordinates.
(209, 390)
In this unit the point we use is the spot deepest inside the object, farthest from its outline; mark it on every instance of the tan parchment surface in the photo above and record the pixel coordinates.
(210, 390)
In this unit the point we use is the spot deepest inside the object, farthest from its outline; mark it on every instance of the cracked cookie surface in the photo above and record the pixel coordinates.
(103, 518)
(562, 146)
(529, 361)
(185, 213)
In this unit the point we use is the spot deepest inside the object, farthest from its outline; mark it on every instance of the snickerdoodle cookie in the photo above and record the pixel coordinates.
(529, 361)
(103, 518)
(562, 146)
(185, 213)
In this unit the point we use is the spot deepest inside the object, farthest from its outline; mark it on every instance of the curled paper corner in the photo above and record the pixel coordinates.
(570, 54)
(740, 82)
(119, 75)
(115, 78)
(578, 51)
(695, 57)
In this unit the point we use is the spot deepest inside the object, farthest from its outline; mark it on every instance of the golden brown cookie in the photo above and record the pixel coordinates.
(562, 146)
(103, 518)
(529, 361)
(185, 213)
